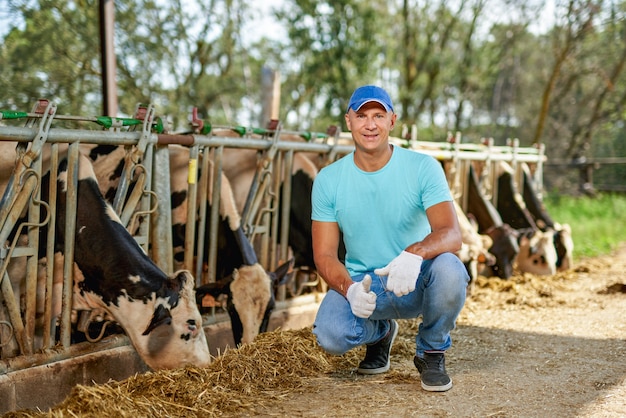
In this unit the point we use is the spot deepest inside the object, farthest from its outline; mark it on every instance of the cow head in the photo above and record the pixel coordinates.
(252, 293)
(504, 249)
(474, 249)
(249, 295)
(564, 245)
(167, 331)
(157, 312)
(166, 328)
(537, 254)
(504, 238)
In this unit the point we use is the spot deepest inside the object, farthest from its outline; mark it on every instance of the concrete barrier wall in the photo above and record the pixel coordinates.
(42, 387)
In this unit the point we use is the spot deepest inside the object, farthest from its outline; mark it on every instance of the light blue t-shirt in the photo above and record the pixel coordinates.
(379, 213)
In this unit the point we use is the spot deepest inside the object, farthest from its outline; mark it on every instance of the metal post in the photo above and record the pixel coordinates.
(70, 230)
(161, 235)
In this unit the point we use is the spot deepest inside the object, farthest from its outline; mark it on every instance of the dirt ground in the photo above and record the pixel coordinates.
(528, 347)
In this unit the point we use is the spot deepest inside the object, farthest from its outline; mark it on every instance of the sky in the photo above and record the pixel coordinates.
(264, 24)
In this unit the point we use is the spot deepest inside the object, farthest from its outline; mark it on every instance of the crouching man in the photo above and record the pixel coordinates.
(394, 209)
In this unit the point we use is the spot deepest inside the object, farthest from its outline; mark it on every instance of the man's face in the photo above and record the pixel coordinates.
(370, 126)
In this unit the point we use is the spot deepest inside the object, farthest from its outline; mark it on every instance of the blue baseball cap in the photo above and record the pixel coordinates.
(366, 94)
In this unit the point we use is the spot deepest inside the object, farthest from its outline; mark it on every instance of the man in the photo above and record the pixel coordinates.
(395, 212)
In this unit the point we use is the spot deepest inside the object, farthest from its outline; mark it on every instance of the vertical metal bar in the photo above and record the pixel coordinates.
(145, 203)
(215, 212)
(286, 205)
(203, 192)
(48, 320)
(192, 207)
(274, 254)
(517, 181)
(266, 204)
(285, 216)
(161, 222)
(32, 263)
(71, 198)
(464, 171)
(538, 177)
(461, 177)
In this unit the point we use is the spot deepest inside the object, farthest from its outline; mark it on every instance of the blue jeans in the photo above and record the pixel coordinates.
(439, 296)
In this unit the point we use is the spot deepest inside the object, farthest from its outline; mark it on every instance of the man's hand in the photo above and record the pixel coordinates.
(362, 301)
(402, 271)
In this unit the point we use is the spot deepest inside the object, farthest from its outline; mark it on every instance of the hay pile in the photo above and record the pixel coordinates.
(237, 381)
(522, 289)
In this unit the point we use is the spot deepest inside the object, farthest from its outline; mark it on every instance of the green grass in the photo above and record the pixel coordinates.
(598, 224)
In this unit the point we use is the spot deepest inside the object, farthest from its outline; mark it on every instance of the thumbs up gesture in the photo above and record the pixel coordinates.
(362, 301)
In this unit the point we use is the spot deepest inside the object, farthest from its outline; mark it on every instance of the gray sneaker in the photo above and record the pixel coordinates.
(377, 357)
(432, 368)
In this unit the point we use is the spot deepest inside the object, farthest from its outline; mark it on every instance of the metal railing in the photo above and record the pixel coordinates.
(147, 167)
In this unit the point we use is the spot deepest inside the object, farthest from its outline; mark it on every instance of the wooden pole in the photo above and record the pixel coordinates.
(107, 57)
(270, 95)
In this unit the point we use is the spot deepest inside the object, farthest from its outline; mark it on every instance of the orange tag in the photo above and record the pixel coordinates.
(209, 301)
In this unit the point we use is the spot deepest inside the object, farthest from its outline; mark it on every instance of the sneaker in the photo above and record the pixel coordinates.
(377, 357)
(432, 370)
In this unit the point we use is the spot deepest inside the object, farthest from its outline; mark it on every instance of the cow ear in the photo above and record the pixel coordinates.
(177, 281)
(524, 241)
(280, 274)
(161, 316)
(247, 251)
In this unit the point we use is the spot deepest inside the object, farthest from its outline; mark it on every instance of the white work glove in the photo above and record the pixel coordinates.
(362, 301)
(402, 271)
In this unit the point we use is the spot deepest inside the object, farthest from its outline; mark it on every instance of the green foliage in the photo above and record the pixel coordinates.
(598, 224)
(473, 66)
(334, 47)
(172, 56)
(55, 56)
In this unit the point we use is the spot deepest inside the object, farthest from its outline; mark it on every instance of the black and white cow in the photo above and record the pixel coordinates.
(474, 252)
(245, 285)
(158, 312)
(504, 246)
(563, 241)
(240, 167)
(537, 250)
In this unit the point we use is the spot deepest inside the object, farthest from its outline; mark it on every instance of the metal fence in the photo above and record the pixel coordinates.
(146, 141)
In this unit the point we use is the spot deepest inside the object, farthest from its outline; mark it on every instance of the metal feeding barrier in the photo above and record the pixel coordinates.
(144, 192)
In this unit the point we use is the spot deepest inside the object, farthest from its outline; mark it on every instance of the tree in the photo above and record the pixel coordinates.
(470, 65)
(334, 47)
(167, 55)
(52, 57)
